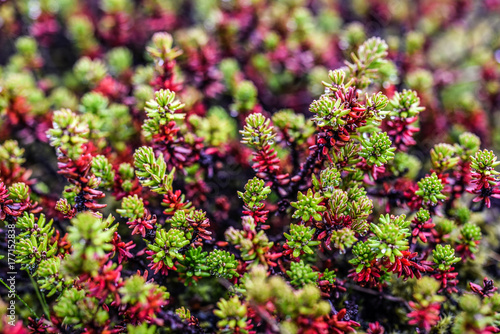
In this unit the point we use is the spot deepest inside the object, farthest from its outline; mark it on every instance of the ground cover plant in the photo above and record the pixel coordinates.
(254, 166)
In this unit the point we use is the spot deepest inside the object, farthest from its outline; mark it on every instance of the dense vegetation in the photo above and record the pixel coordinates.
(249, 166)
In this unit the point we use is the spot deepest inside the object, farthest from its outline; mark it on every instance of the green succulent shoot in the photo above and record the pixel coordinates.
(390, 236)
(330, 178)
(468, 145)
(93, 103)
(253, 245)
(347, 157)
(68, 133)
(64, 207)
(193, 266)
(132, 207)
(258, 131)
(422, 215)
(353, 203)
(221, 263)
(378, 101)
(405, 165)
(368, 61)
(337, 78)
(363, 256)
(245, 96)
(136, 290)
(290, 303)
(76, 308)
(89, 72)
(300, 239)
(308, 206)
(161, 110)
(301, 274)
(104, 171)
(167, 246)
(255, 193)
(50, 277)
(377, 149)
(26, 47)
(426, 291)
(444, 257)
(343, 238)
(34, 243)
(143, 328)
(445, 226)
(233, 315)
(360, 206)
(183, 313)
(127, 174)
(328, 275)
(30, 251)
(405, 104)
(180, 222)
(484, 162)
(119, 60)
(82, 33)
(443, 157)
(161, 48)
(90, 235)
(151, 171)
(34, 226)
(430, 190)
(470, 236)
(329, 112)
(11, 154)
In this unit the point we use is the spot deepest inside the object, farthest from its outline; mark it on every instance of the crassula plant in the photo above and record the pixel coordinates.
(247, 167)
